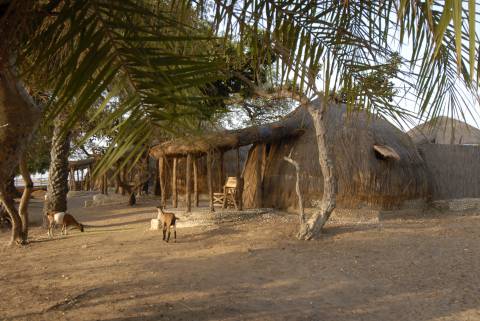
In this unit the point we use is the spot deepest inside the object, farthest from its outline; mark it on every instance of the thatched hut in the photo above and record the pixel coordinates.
(377, 164)
(451, 151)
(445, 130)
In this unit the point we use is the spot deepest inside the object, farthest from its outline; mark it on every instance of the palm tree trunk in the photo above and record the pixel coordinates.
(58, 171)
(19, 118)
(312, 228)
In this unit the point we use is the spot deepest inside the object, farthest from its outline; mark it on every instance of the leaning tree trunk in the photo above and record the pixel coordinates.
(27, 192)
(58, 171)
(312, 228)
(19, 118)
(11, 189)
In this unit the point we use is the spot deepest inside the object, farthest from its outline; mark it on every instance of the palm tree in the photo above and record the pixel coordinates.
(57, 188)
(149, 56)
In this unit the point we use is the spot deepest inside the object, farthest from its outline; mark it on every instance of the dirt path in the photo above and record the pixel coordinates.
(399, 270)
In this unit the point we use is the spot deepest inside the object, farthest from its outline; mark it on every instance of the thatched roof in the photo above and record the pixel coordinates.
(289, 126)
(376, 163)
(81, 164)
(445, 130)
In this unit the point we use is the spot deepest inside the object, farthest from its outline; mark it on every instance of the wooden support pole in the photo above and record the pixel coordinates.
(156, 189)
(258, 178)
(124, 179)
(72, 180)
(174, 184)
(90, 178)
(105, 184)
(163, 185)
(209, 180)
(188, 184)
(239, 182)
(195, 182)
(221, 170)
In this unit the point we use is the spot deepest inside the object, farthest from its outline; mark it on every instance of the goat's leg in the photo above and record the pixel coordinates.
(175, 233)
(168, 235)
(164, 230)
(65, 229)
(50, 229)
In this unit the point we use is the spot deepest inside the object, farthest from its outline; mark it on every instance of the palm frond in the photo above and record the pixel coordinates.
(154, 62)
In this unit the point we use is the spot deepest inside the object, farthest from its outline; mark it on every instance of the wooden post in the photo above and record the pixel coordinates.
(239, 182)
(221, 170)
(105, 184)
(209, 180)
(90, 178)
(188, 184)
(195, 182)
(161, 173)
(157, 180)
(258, 178)
(124, 179)
(174, 184)
(72, 180)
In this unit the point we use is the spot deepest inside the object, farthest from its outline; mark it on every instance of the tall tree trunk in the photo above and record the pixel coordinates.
(58, 171)
(27, 192)
(312, 228)
(19, 118)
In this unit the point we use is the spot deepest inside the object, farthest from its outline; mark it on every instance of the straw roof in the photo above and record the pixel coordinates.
(445, 130)
(81, 164)
(225, 140)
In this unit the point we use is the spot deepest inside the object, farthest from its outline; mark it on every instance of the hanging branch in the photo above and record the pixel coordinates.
(297, 185)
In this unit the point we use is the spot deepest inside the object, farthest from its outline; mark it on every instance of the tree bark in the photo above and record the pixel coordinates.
(27, 192)
(188, 184)
(313, 227)
(58, 171)
(19, 118)
(11, 189)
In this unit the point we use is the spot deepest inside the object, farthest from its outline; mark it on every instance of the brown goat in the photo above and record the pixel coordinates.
(63, 219)
(168, 220)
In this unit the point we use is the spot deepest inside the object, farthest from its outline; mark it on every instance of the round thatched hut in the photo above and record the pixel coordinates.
(445, 130)
(377, 164)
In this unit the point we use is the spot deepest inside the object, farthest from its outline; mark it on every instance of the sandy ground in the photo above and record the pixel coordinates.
(416, 269)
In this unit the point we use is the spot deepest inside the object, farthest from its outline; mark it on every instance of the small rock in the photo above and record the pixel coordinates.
(84, 246)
